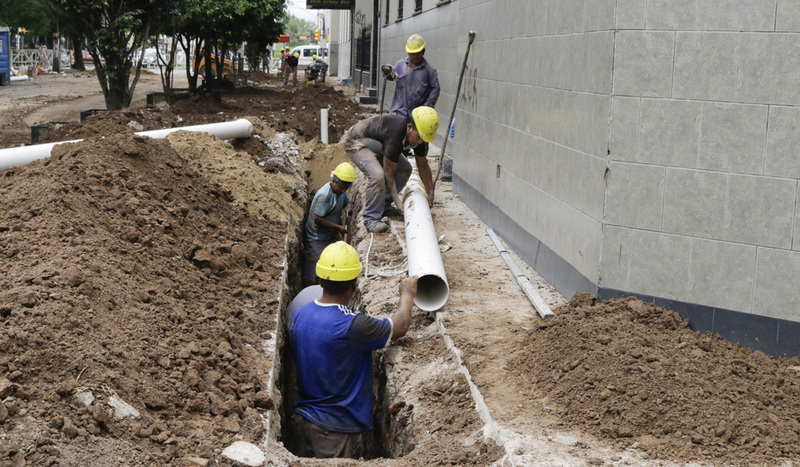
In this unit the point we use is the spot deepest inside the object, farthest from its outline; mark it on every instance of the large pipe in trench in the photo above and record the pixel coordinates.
(12, 157)
(424, 257)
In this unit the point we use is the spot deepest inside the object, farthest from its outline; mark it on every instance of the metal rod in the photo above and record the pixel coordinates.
(455, 104)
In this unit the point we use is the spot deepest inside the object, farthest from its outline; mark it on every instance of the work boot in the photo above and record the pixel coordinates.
(378, 227)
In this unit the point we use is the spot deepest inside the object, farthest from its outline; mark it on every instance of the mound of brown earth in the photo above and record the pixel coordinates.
(634, 373)
(127, 273)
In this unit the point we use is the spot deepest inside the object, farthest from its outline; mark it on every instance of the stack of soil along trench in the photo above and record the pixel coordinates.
(125, 272)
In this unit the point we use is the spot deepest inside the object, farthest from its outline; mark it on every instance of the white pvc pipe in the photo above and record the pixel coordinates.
(424, 257)
(12, 157)
(323, 121)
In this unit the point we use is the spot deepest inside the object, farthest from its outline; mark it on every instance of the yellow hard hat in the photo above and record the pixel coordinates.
(344, 172)
(314, 57)
(427, 122)
(296, 55)
(338, 262)
(415, 44)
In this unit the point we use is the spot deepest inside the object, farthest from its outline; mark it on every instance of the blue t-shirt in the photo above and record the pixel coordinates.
(332, 347)
(325, 204)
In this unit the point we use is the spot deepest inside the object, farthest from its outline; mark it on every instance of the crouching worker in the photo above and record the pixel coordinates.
(323, 67)
(324, 216)
(332, 347)
(378, 147)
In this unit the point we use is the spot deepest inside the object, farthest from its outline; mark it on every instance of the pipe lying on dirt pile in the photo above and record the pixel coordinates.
(424, 257)
(12, 157)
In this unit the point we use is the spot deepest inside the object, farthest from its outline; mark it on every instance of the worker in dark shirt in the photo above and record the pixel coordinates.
(378, 146)
(291, 68)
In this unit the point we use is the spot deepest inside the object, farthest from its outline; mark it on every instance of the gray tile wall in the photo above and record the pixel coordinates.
(704, 162)
(653, 146)
(532, 124)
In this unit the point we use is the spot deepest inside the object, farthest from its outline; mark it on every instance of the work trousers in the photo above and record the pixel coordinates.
(286, 72)
(376, 198)
(313, 441)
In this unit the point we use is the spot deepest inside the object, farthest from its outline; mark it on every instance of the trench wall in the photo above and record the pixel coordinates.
(632, 147)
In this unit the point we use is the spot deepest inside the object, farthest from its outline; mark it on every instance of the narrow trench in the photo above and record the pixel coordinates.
(380, 443)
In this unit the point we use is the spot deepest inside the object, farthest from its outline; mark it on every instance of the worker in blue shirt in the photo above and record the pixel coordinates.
(323, 226)
(332, 347)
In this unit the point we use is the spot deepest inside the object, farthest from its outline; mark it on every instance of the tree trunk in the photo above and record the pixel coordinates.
(116, 94)
(78, 51)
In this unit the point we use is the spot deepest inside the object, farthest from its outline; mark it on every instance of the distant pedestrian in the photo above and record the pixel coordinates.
(266, 58)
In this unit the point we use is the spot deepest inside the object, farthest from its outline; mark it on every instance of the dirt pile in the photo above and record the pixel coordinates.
(283, 109)
(633, 373)
(125, 272)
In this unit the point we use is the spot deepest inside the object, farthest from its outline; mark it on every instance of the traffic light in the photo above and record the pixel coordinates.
(317, 34)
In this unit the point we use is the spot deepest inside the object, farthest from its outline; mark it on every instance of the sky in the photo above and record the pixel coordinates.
(298, 8)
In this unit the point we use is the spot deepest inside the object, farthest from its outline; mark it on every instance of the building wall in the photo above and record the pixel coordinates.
(532, 128)
(341, 43)
(703, 158)
(645, 147)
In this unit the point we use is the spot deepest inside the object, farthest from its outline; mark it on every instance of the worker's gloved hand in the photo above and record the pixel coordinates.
(388, 72)
(409, 286)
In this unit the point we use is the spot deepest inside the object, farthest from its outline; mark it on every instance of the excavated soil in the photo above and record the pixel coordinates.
(149, 271)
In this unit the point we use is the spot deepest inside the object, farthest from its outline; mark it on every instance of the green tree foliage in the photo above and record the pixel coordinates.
(37, 16)
(118, 31)
(214, 27)
(115, 30)
(296, 27)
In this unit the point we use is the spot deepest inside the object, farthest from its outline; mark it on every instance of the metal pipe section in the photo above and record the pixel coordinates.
(12, 157)
(323, 129)
(424, 257)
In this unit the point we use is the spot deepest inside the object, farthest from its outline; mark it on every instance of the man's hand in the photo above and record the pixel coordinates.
(430, 199)
(388, 72)
(409, 286)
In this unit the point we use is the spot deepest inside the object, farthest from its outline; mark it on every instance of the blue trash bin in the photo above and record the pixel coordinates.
(5, 56)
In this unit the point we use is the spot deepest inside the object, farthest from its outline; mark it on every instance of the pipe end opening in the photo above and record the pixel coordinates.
(432, 293)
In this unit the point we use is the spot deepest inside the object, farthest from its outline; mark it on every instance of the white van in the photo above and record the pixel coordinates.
(308, 51)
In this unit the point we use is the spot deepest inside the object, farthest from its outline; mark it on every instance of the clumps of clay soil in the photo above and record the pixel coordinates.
(129, 276)
(634, 373)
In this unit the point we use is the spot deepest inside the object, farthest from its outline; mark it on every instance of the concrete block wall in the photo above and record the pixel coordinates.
(532, 128)
(703, 163)
(703, 153)
(634, 147)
